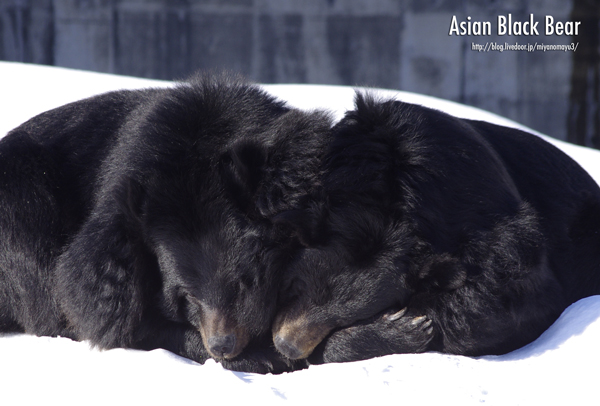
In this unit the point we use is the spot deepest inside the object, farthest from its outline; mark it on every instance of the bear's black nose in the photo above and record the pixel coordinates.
(221, 346)
(286, 348)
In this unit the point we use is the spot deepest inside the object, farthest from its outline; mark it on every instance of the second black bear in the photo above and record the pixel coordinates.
(434, 233)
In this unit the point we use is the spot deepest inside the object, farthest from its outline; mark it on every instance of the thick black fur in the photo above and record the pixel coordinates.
(138, 218)
(482, 234)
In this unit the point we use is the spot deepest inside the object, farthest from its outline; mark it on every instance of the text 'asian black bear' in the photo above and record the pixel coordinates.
(137, 218)
(434, 233)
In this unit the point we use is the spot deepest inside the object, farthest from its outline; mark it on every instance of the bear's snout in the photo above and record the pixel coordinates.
(288, 349)
(222, 346)
(298, 337)
(223, 337)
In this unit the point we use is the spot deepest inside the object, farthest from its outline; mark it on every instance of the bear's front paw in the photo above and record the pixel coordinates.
(397, 332)
(409, 332)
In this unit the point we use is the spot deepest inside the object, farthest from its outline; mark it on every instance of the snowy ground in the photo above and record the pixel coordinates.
(561, 367)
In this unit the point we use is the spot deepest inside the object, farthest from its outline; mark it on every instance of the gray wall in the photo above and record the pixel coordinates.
(400, 44)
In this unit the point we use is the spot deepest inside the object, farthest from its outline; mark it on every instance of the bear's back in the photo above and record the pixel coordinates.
(566, 198)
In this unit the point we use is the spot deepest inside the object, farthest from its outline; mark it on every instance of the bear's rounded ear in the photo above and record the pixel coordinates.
(242, 169)
(443, 272)
(307, 225)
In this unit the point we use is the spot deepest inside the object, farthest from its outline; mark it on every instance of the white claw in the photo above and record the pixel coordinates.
(417, 320)
(397, 315)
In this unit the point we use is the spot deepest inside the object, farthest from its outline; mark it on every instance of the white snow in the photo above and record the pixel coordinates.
(560, 368)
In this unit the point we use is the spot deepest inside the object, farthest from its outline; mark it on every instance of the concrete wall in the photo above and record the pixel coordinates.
(401, 44)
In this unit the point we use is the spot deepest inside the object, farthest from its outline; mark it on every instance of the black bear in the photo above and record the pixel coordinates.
(434, 233)
(138, 218)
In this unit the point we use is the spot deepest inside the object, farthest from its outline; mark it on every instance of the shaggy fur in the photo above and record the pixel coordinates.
(138, 218)
(433, 233)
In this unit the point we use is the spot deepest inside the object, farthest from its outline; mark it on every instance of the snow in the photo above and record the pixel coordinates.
(559, 368)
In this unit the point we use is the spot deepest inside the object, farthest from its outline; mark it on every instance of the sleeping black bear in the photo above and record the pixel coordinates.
(434, 233)
(137, 218)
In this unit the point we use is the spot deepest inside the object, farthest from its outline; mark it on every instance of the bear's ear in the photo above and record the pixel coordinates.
(242, 169)
(307, 225)
(442, 272)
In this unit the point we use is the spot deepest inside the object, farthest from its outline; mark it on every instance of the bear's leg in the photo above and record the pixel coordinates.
(394, 332)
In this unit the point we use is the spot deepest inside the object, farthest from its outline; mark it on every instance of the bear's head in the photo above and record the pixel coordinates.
(220, 160)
